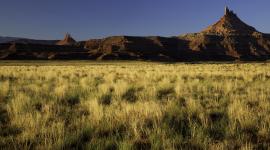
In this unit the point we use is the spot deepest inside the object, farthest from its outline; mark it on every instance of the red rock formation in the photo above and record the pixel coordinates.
(228, 39)
(231, 37)
(68, 40)
(230, 24)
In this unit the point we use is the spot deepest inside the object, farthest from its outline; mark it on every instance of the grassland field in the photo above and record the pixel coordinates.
(134, 105)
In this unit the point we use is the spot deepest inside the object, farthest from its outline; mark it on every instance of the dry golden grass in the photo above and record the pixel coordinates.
(135, 106)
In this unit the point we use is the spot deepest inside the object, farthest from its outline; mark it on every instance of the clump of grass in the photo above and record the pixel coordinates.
(106, 96)
(176, 120)
(98, 80)
(111, 145)
(130, 95)
(106, 99)
(80, 140)
(219, 124)
(166, 93)
(142, 144)
(71, 99)
(4, 89)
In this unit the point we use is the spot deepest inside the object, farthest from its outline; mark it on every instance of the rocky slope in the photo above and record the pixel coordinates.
(228, 39)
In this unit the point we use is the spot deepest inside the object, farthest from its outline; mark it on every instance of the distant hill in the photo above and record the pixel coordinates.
(26, 41)
(7, 39)
(226, 40)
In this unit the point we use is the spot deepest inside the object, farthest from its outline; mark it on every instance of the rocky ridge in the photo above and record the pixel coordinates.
(228, 39)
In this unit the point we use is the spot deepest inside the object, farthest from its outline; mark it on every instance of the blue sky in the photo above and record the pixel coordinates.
(85, 19)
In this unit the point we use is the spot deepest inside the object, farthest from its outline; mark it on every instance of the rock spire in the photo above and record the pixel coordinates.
(230, 24)
(68, 40)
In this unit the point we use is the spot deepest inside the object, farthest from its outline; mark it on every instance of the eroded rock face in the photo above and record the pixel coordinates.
(228, 39)
(242, 47)
(145, 48)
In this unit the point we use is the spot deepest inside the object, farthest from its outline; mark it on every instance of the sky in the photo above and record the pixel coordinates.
(88, 19)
